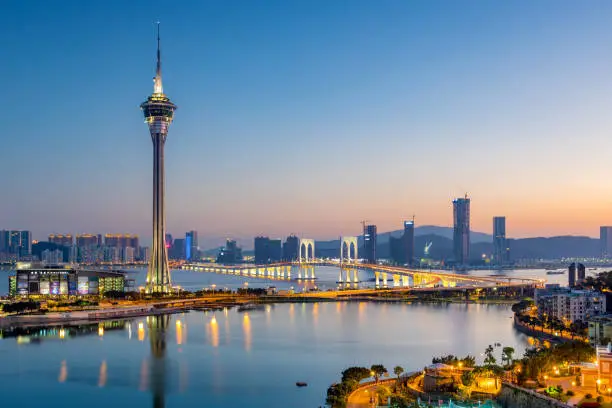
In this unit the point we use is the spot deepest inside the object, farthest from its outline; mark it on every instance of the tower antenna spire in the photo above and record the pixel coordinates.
(157, 87)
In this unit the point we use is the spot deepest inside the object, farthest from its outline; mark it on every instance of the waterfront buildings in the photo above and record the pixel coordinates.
(605, 241)
(571, 275)
(501, 252)
(158, 112)
(61, 239)
(52, 257)
(267, 250)
(369, 243)
(569, 305)
(192, 250)
(581, 273)
(121, 240)
(402, 248)
(230, 254)
(88, 240)
(461, 230)
(50, 280)
(178, 249)
(291, 248)
(15, 244)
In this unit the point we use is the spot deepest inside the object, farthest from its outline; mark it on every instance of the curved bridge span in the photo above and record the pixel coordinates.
(385, 276)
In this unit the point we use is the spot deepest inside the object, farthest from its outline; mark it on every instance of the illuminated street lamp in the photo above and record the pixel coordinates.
(598, 382)
(213, 286)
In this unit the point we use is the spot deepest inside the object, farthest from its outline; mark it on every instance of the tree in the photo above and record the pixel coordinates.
(397, 370)
(467, 378)
(355, 374)
(377, 371)
(468, 361)
(507, 353)
(489, 357)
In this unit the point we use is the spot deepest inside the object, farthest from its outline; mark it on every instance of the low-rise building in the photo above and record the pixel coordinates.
(49, 280)
(569, 305)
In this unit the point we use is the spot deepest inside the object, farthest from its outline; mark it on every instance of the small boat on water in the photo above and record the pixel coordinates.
(247, 307)
(555, 272)
(301, 384)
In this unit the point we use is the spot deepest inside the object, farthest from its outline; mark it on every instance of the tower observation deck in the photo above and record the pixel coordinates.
(158, 113)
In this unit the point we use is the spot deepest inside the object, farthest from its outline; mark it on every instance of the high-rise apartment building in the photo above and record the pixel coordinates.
(267, 250)
(369, 243)
(191, 245)
(5, 239)
(230, 254)
(121, 240)
(61, 239)
(501, 251)
(87, 240)
(581, 272)
(605, 241)
(25, 244)
(178, 249)
(291, 248)
(571, 275)
(408, 239)
(461, 230)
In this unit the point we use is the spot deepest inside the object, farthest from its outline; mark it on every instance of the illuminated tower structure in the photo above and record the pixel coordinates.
(158, 113)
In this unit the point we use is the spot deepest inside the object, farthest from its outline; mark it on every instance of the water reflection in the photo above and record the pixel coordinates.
(214, 332)
(103, 374)
(144, 375)
(158, 327)
(246, 328)
(63, 375)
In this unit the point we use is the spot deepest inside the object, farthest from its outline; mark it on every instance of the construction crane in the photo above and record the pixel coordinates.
(427, 246)
(363, 225)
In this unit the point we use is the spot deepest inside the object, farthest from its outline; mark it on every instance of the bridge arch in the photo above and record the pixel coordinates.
(306, 250)
(348, 247)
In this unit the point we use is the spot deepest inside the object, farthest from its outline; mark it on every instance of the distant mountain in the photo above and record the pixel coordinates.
(442, 245)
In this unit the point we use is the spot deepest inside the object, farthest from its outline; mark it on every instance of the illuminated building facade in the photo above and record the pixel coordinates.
(39, 280)
(88, 240)
(61, 239)
(158, 113)
(369, 243)
(121, 240)
(191, 245)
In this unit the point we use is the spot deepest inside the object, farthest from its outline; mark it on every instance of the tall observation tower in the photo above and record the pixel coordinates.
(158, 112)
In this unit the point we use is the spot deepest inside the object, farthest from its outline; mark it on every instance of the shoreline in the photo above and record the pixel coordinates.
(100, 315)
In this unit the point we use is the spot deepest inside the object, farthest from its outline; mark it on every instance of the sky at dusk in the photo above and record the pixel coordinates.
(307, 117)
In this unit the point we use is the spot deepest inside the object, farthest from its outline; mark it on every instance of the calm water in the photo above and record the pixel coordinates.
(326, 278)
(235, 359)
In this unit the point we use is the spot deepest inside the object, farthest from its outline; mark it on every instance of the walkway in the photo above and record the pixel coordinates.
(360, 398)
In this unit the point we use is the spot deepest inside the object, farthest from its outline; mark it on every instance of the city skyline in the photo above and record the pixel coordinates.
(279, 106)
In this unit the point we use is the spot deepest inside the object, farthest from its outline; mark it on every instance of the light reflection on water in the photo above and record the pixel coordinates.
(254, 361)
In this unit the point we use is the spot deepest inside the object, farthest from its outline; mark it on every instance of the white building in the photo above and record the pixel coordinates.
(54, 257)
(569, 305)
(129, 254)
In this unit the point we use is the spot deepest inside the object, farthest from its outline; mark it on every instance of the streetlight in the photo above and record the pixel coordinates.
(546, 381)
(213, 286)
(597, 384)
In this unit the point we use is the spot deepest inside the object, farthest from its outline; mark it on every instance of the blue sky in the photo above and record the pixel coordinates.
(308, 116)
